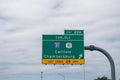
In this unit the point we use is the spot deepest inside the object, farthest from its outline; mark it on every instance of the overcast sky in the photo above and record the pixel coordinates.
(22, 23)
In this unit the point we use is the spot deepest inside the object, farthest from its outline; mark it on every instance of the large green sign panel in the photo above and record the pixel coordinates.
(63, 49)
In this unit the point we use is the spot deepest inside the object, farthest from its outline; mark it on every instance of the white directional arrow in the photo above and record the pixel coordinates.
(80, 56)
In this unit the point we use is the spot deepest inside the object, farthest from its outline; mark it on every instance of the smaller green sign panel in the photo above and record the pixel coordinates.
(63, 49)
(74, 32)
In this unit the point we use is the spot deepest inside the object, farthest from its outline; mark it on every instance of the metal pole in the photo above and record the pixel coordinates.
(92, 48)
(41, 75)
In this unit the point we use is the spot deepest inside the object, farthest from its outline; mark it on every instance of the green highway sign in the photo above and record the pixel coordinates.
(74, 32)
(63, 49)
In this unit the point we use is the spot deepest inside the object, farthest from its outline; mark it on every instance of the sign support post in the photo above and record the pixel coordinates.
(92, 48)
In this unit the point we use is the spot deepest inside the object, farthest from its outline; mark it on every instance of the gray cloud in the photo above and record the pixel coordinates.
(23, 22)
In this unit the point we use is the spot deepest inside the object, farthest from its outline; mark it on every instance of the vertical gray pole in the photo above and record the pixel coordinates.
(41, 75)
(92, 48)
